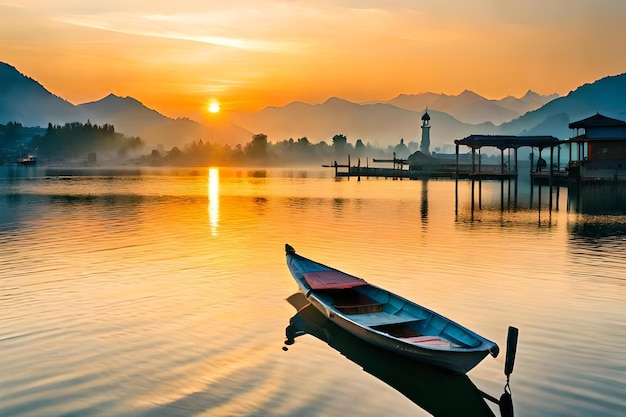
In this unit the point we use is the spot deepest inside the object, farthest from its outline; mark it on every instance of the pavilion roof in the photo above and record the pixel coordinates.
(597, 120)
(508, 141)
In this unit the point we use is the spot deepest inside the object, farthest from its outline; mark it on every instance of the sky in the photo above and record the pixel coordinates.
(179, 56)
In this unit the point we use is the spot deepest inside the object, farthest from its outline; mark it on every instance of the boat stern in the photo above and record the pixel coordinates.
(494, 350)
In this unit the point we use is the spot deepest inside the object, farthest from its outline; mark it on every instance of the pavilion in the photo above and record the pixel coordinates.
(600, 149)
(506, 142)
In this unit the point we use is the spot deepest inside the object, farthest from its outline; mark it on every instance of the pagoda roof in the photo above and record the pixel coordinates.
(597, 120)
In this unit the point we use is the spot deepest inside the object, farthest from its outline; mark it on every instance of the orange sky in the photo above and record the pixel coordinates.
(176, 57)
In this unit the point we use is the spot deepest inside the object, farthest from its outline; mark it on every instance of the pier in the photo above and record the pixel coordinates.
(596, 155)
(422, 166)
(343, 171)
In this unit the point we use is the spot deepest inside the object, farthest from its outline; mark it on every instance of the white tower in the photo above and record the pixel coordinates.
(425, 145)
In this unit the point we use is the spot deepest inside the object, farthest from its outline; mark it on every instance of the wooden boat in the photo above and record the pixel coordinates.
(29, 160)
(387, 320)
(433, 389)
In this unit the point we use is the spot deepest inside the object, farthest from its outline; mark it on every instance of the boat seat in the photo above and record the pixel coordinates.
(378, 319)
(431, 341)
(360, 308)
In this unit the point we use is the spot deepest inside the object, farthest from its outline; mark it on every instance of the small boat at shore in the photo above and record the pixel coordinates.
(29, 160)
(388, 320)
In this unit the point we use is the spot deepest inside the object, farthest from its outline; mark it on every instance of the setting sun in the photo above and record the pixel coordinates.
(214, 107)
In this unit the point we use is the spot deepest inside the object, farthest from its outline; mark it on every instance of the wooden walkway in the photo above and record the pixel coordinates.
(369, 172)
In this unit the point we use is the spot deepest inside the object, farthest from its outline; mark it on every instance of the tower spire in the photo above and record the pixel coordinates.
(425, 145)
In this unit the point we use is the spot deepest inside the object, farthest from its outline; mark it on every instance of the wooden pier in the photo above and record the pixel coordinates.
(418, 175)
(398, 171)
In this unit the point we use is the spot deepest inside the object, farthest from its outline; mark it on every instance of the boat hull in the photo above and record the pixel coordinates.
(388, 320)
(459, 362)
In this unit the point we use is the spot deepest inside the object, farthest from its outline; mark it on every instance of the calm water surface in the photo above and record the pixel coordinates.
(161, 292)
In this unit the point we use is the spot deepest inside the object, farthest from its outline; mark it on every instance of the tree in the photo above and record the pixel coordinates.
(401, 150)
(359, 147)
(340, 145)
(257, 149)
(303, 143)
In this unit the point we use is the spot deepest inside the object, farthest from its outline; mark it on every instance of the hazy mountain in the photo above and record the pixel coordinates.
(606, 96)
(26, 101)
(529, 102)
(386, 123)
(470, 107)
(127, 112)
(377, 123)
(415, 102)
(131, 117)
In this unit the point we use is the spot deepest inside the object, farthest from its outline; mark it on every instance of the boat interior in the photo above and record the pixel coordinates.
(350, 301)
(415, 326)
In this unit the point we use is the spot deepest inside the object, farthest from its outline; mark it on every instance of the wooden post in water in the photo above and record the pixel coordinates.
(551, 173)
(473, 160)
(456, 170)
(511, 350)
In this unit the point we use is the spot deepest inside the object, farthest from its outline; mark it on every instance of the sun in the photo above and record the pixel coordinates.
(214, 107)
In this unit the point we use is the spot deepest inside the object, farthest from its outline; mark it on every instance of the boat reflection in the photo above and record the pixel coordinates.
(436, 391)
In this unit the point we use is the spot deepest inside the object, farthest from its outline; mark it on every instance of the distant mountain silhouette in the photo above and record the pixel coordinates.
(131, 117)
(26, 101)
(127, 111)
(606, 96)
(469, 107)
(380, 124)
(529, 102)
(386, 123)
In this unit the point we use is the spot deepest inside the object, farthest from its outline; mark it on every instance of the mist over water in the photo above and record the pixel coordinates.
(161, 291)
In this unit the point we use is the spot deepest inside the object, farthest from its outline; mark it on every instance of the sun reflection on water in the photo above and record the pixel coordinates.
(214, 204)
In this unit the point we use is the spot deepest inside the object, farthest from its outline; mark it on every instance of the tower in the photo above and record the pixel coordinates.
(425, 145)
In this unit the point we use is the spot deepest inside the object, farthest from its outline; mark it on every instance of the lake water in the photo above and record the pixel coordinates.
(161, 291)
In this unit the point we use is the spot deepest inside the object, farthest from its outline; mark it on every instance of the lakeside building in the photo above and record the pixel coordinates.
(598, 151)
(507, 143)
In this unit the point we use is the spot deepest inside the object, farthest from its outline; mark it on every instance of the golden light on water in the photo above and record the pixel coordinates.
(214, 205)
(169, 315)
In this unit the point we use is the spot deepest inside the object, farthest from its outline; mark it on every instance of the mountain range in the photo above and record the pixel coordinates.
(380, 123)
(469, 107)
(26, 101)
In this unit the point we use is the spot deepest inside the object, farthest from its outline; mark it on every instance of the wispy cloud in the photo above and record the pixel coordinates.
(304, 50)
(175, 27)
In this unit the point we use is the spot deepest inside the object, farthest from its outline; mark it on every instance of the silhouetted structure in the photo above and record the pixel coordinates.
(504, 142)
(600, 149)
(598, 154)
(425, 145)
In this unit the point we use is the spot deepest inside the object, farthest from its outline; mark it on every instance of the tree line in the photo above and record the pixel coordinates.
(91, 143)
(260, 151)
(76, 140)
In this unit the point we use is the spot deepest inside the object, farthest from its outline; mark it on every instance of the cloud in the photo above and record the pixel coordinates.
(180, 27)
